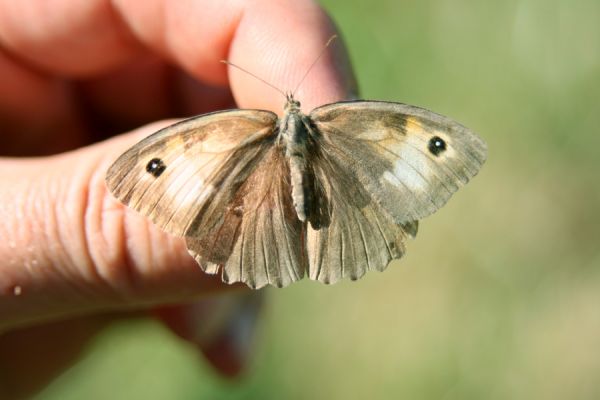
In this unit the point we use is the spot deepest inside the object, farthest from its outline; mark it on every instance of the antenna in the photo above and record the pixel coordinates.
(301, 80)
(331, 39)
(257, 77)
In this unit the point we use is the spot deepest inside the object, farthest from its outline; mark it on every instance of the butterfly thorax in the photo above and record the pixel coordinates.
(295, 135)
(293, 130)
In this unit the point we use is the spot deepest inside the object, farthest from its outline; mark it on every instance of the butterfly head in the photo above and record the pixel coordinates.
(291, 105)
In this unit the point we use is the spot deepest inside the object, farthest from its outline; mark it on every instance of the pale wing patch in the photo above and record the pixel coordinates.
(411, 168)
(414, 167)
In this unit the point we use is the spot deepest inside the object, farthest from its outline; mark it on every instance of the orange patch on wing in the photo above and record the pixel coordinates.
(412, 125)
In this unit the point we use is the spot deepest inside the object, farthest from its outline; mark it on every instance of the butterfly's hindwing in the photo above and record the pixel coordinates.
(261, 240)
(360, 236)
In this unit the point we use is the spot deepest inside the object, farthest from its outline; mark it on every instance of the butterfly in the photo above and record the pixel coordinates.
(330, 194)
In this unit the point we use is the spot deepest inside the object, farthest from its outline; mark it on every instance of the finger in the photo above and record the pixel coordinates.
(31, 357)
(117, 94)
(223, 328)
(143, 91)
(279, 48)
(62, 37)
(269, 48)
(283, 51)
(68, 247)
(33, 109)
(104, 34)
(39, 116)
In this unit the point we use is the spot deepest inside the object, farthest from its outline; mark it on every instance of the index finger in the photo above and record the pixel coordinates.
(275, 40)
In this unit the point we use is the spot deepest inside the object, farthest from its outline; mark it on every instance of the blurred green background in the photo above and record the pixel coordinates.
(499, 296)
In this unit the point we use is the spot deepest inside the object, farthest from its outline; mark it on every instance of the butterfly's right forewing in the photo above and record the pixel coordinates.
(391, 148)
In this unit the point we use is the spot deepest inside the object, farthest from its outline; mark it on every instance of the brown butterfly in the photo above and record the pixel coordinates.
(332, 194)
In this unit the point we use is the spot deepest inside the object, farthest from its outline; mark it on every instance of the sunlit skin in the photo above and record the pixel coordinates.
(69, 249)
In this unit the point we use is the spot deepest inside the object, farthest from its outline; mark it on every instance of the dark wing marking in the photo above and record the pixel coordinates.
(388, 147)
(260, 240)
(186, 175)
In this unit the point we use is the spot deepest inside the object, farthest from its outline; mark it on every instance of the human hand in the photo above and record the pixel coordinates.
(73, 73)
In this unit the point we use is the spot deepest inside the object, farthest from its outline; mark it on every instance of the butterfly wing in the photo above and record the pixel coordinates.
(261, 239)
(408, 159)
(382, 166)
(221, 181)
(185, 175)
(359, 236)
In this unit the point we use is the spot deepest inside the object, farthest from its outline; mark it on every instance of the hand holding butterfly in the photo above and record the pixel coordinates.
(79, 72)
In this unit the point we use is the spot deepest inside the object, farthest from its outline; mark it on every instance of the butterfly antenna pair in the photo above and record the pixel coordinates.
(331, 39)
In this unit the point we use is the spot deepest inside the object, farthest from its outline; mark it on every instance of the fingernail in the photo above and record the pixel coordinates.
(222, 327)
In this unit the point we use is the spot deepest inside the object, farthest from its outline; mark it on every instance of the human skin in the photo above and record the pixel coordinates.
(73, 73)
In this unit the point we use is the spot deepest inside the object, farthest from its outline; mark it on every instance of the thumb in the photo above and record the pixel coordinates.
(68, 247)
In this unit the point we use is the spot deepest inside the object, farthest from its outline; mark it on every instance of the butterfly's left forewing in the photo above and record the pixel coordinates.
(185, 175)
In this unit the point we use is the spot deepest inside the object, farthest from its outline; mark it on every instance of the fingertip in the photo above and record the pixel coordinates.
(283, 50)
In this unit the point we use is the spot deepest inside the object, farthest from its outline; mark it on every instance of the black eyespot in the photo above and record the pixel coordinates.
(436, 145)
(156, 167)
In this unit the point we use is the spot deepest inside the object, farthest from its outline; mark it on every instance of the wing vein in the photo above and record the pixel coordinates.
(387, 246)
(342, 252)
(242, 243)
(364, 243)
(265, 258)
(287, 241)
(276, 246)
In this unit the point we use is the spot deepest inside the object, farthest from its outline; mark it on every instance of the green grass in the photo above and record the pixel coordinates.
(499, 297)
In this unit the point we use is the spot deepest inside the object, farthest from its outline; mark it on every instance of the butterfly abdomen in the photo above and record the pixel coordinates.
(300, 196)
